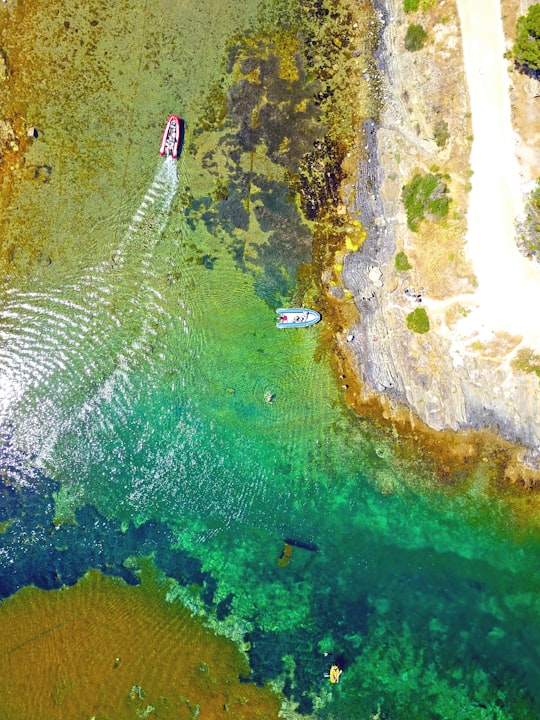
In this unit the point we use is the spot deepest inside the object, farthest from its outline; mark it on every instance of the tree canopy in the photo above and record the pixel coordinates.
(526, 50)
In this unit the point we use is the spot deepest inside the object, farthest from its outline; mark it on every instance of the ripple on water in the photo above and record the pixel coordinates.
(80, 341)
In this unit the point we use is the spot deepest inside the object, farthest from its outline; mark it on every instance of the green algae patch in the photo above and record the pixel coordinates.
(4, 526)
(104, 649)
(98, 82)
(273, 140)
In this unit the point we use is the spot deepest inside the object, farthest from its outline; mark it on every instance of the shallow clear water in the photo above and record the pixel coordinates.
(137, 348)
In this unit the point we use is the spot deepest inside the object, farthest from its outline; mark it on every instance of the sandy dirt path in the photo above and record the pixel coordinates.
(508, 293)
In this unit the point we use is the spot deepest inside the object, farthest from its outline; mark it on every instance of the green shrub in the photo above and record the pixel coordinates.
(526, 50)
(411, 5)
(402, 262)
(440, 133)
(425, 195)
(531, 225)
(415, 37)
(439, 206)
(527, 361)
(535, 197)
(418, 321)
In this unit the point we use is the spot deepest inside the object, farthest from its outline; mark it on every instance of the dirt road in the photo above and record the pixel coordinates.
(508, 284)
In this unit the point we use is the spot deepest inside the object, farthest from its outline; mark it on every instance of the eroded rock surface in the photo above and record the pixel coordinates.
(456, 375)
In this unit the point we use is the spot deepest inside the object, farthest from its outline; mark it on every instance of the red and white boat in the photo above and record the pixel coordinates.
(171, 137)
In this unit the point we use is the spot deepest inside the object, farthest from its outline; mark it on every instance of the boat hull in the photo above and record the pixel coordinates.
(297, 317)
(170, 142)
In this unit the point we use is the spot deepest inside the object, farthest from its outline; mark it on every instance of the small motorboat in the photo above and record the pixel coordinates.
(171, 137)
(296, 317)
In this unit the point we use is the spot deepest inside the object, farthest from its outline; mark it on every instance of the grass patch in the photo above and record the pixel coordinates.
(402, 262)
(440, 133)
(527, 361)
(418, 321)
(531, 225)
(415, 37)
(425, 196)
(415, 5)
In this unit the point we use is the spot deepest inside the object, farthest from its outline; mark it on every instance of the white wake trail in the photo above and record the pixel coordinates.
(75, 345)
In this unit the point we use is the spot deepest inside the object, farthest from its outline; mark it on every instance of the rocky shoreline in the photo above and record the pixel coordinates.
(448, 384)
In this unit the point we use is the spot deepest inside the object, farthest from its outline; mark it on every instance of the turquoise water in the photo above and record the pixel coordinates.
(137, 348)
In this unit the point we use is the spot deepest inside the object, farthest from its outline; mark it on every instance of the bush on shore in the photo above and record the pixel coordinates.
(415, 37)
(529, 226)
(415, 5)
(411, 5)
(402, 262)
(526, 50)
(440, 133)
(527, 361)
(418, 321)
(425, 196)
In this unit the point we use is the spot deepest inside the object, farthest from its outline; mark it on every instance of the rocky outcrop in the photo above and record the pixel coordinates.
(8, 138)
(449, 380)
(3, 67)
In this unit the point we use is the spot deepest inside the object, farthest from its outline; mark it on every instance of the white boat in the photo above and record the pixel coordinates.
(296, 317)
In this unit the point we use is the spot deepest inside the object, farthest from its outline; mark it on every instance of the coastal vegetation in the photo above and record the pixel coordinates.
(440, 133)
(415, 37)
(418, 321)
(415, 5)
(527, 361)
(425, 196)
(195, 470)
(286, 131)
(530, 227)
(402, 262)
(526, 49)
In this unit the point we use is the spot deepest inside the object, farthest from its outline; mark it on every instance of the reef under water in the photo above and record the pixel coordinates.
(104, 649)
(173, 544)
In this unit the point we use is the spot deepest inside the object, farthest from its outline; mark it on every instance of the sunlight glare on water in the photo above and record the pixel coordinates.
(59, 342)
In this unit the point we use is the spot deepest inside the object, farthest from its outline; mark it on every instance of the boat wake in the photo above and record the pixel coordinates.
(73, 345)
(151, 217)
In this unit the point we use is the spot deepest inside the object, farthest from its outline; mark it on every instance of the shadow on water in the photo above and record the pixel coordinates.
(182, 133)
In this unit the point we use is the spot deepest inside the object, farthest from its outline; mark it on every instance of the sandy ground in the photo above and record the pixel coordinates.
(508, 295)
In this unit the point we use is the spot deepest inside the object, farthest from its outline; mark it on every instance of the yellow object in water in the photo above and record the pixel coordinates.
(335, 674)
(286, 555)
